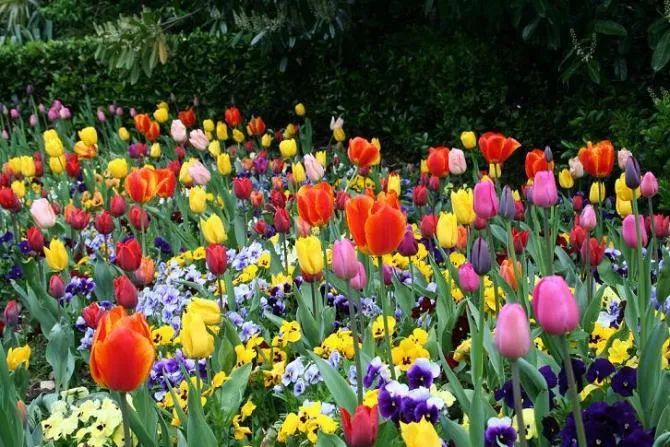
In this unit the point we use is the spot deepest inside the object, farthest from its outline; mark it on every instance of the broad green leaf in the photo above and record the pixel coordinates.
(337, 385)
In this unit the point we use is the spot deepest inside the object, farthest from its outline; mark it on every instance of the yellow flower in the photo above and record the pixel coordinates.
(208, 125)
(163, 335)
(623, 207)
(289, 131)
(18, 356)
(221, 131)
(161, 115)
(310, 254)
(197, 199)
(52, 143)
(468, 139)
(209, 310)
(495, 170)
(56, 255)
(528, 415)
(618, 351)
(89, 136)
(118, 167)
(155, 150)
(393, 184)
(19, 188)
(288, 428)
(223, 164)
(298, 172)
(266, 140)
(339, 135)
(462, 204)
(418, 336)
(321, 158)
(196, 341)
(375, 142)
(244, 355)
(288, 148)
(378, 326)
(420, 434)
(289, 332)
(300, 109)
(213, 229)
(214, 148)
(406, 353)
(162, 105)
(565, 179)
(597, 192)
(238, 136)
(447, 230)
(423, 167)
(57, 164)
(622, 191)
(264, 260)
(124, 134)
(462, 350)
(27, 166)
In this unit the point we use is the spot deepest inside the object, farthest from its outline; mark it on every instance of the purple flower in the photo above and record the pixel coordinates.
(599, 370)
(639, 438)
(549, 376)
(579, 369)
(505, 393)
(625, 381)
(499, 431)
(390, 399)
(422, 373)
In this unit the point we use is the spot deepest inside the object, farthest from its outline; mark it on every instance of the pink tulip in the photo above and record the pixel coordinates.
(304, 229)
(457, 164)
(199, 173)
(468, 278)
(360, 280)
(622, 157)
(485, 200)
(545, 193)
(345, 262)
(554, 306)
(587, 219)
(178, 131)
(649, 185)
(512, 335)
(629, 231)
(313, 168)
(43, 214)
(198, 139)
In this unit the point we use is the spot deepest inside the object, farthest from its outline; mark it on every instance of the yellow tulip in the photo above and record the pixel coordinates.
(565, 179)
(163, 105)
(14, 164)
(223, 164)
(622, 191)
(214, 148)
(468, 139)
(197, 199)
(447, 230)
(462, 204)
(213, 229)
(420, 434)
(27, 166)
(495, 170)
(321, 158)
(298, 172)
(424, 166)
(623, 207)
(289, 131)
(155, 150)
(238, 136)
(184, 176)
(89, 136)
(52, 143)
(196, 340)
(208, 125)
(57, 164)
(209, 310)
(221, 131)
(339, 135)
(124, 134)
(288, 148)
(597, 192)
(310, 255)
(300, 109)
(393, 184)
(161, 115)
(18, 356)
(56, 255)
(118, 167)
(19, 188)
(266, 140)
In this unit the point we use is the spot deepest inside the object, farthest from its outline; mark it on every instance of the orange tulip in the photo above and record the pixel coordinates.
(362, 153)
(438, 161)
(142, 122)
(122, 351)
(153, 131)
(256, 126)
(142, 185)
(535, 162)
(462, 242)
(598, 159)
(507, 272)
(496, 147)
(187, 117)
(376, 226)
(167, 181)
(315, 203)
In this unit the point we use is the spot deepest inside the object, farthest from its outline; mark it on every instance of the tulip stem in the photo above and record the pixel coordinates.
(518, 407)
(654, 253)
(548, 242)
(285, 249)
(123, 406)
(494, 262)
(357, 351)
(642, 295)
(314, 310)
(574, 397)
(517, 272)
(387, 335)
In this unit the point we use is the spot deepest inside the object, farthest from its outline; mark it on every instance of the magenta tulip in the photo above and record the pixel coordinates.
(649, 185)
(629, 231)
(554, 306)
(587, 219)
(360, 280)
(468, 278)
(545, 193)
(345, 262)
(512, 336)
(485, 200)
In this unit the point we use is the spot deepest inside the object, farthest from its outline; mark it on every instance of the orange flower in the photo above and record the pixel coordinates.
(376, 226)
(438, 161)
(536, 161)
(362, 153)
(122, 351)
(598, 159)
(315, 203)
(507, 272)
(153, 132)
(462, 242)
(496, 147)
(187, 117)
(167, 181)
(256, 126)
(142, 122)
(142, 185)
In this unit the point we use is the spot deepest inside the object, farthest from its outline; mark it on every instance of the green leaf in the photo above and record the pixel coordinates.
(197, 431)
(340, 389)
(102, 274)
(609, 28)
(661, 54)
(329, 440)
(59, 354)
(232, 391)
(455, 432)
(648, 376)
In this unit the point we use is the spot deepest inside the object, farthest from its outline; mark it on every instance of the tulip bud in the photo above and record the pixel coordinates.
(217, 259)
(507, 207)
(434, 183)
(588, 219)
(11, 313)
(485, 199)
(282, 220)
(577, 202)
(512, 334)
(256, 199)
(117, 206)
(408, 245)
(596, 251)
(468, 278)
(242, 187)
(457, 163)
(35, 239)
(420, 195)
(548, 155)
(480, 257)
(104, 223)
(260, 227)
(545, 193)
(632, 173)
(92, 315)
(428, 226)
(341, 199)
(577, 237)
(56, 286)
(554, 306)
(360, 279)
(388, 274)
(649, 185)
(360, 430)
(345, 262)
(622, 158)
(128, 255)
(480, 223)
(138, 218)
(125, 292)
(629, 231)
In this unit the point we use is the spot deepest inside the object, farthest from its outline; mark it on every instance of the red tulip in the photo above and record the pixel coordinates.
(661, 225)
(128, 255)
(153, 132)
(92, 315)
(216, 259)
(598, 159)
(536, 162)
(519, 239)
(242, 187)
(56, 286)
(167, 181)
(125, 292)
(138, 218)
(72, 165)
(497, 148)
(233, 116)
(341, 199)
(117, 206)
(420, 195)
(256, 126)
(35, 239)
(577, 237)
(104, 223)
(438, 161)
(361, 429)
(142, 122)
(428, 226)
(77, 218)
(315, 203)
(11, 313)
(8, 199)
(596, 251)
(187, 117)
(282, 220)
(363, 153)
